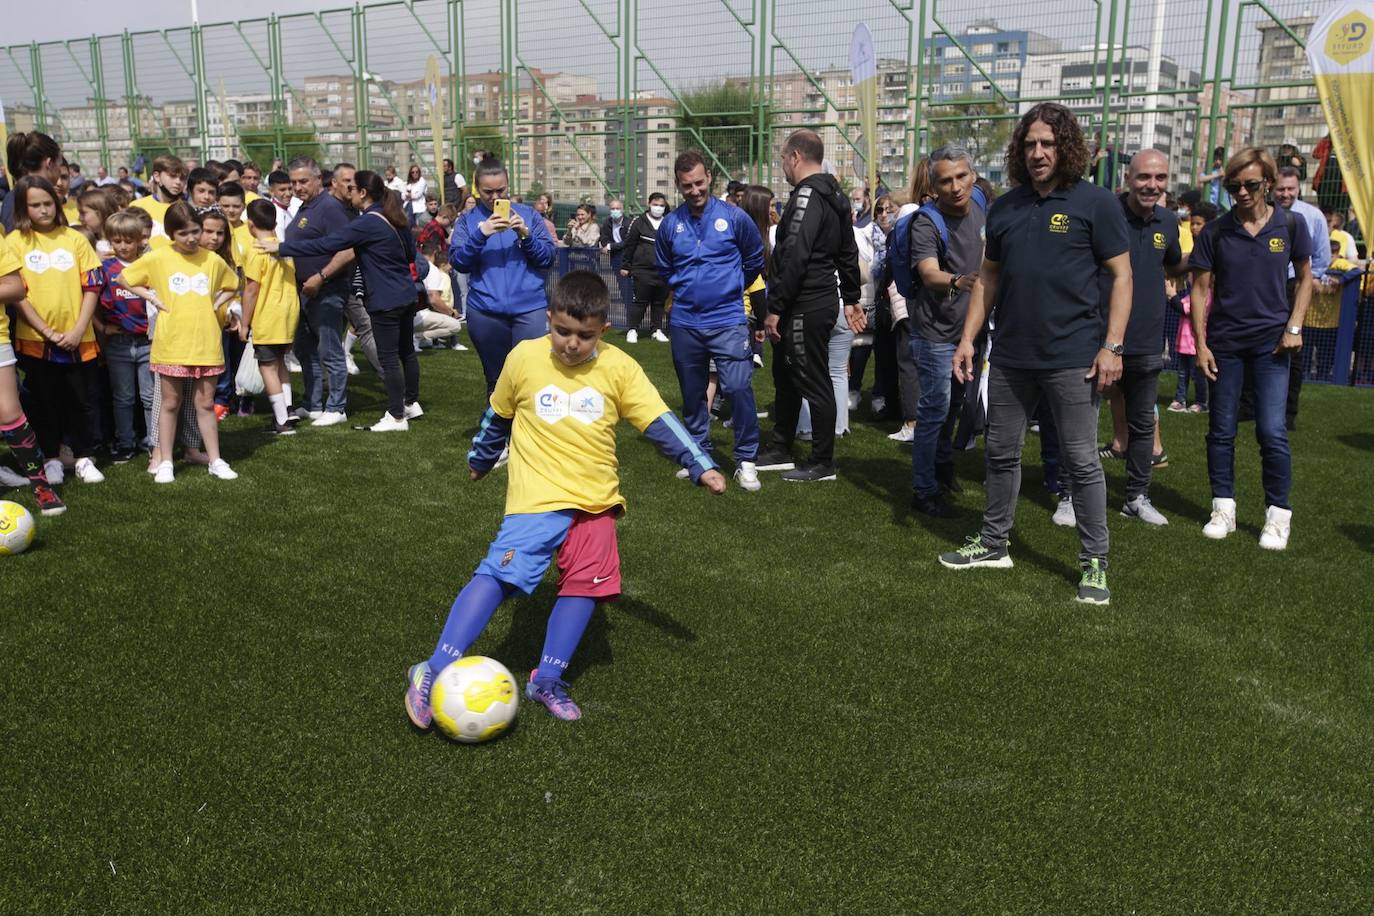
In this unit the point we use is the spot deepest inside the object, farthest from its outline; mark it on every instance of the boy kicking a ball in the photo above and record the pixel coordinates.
(557, 403)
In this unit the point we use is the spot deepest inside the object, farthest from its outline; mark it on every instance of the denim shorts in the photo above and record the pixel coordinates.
(7, 357)
(270, 353)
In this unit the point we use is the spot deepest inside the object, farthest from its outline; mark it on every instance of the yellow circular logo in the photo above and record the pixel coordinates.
(1159, 240)
(1277, 246)
(1059, 222)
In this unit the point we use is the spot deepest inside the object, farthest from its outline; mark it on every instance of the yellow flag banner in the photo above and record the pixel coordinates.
(864, 73)
(433, 80)
(1340, 49)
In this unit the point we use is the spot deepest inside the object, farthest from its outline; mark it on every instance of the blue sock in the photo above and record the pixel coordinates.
(566, 623)
(467, 618)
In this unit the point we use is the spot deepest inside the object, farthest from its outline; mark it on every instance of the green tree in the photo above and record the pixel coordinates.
(719, 120)
(983, 128)
(260, 144)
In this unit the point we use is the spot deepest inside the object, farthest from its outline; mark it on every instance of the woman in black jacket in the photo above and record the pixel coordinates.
(380, 238)
(640, 264)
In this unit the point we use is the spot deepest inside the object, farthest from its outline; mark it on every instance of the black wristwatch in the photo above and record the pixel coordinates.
(1115, 349)
(954, 285)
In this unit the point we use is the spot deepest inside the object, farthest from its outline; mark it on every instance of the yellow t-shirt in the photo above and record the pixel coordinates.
(562, 450)
(158, 211)
(278, 307)
(1185, 237)
(73, 211)
(9, 263)
(57, 266)
(249, 197)
(188, 332)
(757, 286)
(243, 242)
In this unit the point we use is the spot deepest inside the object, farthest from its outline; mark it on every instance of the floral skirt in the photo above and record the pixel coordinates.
(186, 371)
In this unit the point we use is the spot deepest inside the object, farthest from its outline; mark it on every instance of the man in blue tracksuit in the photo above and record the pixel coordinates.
(708, 252)
(505, 260)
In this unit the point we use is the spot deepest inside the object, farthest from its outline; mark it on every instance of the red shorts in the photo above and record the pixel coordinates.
(589, 560)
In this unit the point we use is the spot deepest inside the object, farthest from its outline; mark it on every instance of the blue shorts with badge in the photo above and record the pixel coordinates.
(522, 550)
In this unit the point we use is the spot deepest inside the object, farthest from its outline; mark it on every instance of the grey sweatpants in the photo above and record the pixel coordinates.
(357, 316)
(1072, 399)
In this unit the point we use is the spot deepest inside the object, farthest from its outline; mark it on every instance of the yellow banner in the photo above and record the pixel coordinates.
(433, 81)
(1340, 49)
(863, 66)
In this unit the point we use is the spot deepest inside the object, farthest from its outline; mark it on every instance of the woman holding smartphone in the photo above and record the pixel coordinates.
(504, 249)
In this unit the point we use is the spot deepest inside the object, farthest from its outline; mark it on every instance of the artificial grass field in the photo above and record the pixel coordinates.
(792, 709)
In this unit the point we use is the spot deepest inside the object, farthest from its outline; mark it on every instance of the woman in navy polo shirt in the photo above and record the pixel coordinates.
(1241, 261)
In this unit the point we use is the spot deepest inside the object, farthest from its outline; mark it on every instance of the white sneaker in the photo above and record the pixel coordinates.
(458, 346)
(854, 398)
(1143, 509)
(330, 418)
(747, 476)
(164, 473)
(1064, 515)
(389, 424)
(879, 404)
(414, 411)
(52, 469)
(352, 364)
(682, 474)
(660, 337)
(301, 413)
(220, 468)
(10, 479)
(87, 472)
(292, 364)
(1274, 534)
(905, 434)
(632, 336)
(503, 458)
(1223, 520)
(758, 361)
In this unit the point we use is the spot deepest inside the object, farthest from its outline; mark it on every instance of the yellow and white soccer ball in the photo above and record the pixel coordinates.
(16, 528)
(474, 699)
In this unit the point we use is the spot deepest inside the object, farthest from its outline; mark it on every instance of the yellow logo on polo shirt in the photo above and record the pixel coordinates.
(1059, 222)
(1278, 246)
(1159, 240)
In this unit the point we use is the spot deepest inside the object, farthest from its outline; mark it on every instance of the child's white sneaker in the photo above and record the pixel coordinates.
(1274, 534)
(414, 411)
(220, 468)
(87, 472)
(389, 424)
(52, 469)
(1223, 520)
(164, 474)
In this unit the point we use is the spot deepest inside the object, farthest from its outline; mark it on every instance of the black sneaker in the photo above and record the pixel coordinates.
(809, 472)
(944, 476)
(975, 553)
(122, 455)
(1092, 587)
(774, 459)
(933, 505)
(1159, 461)
(281, 429)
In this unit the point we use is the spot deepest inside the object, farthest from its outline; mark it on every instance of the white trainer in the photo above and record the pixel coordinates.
(1064, 515)
(1223, 520)
(660, 337)
(87, 472)
(219, 468)
(1274, 534)
(292, 364)
(352, 364)
(682, 474)
(414, 411)
(52, 469)
(10, 479)
(164, 473)
(1143, 509)
(632, 336)
(905, 434)
(389, 424)
(330, 418)
(747, 476)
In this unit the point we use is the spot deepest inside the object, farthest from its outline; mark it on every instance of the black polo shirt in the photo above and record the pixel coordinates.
(1154, 246)
(317, 218)
(1249, 278)
(1049, 305)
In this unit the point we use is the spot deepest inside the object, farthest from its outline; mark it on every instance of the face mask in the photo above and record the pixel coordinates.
(616, 214)
(856, 206)
(656, 210)
(1183, 212)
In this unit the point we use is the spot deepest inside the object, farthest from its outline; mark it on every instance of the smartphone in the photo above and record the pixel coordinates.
(501, 208)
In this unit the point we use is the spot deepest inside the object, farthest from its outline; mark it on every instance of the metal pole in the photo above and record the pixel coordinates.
(274, 60)
(98, 84)
(1107, 91)
(1216, 83)
(40, 110)
(198, 77)
(362, 92)
(131, 99)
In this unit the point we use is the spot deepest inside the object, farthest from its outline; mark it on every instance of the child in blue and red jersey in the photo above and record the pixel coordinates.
(557, 401)
(124, 317)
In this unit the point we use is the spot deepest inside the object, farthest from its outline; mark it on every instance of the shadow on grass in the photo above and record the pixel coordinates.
(1362, 441)
(1362, 536)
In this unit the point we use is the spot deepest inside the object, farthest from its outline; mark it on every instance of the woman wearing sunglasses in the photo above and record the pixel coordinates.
(1241, 261)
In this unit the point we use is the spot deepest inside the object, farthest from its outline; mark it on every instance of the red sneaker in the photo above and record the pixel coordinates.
(221, 411)
(49, 503)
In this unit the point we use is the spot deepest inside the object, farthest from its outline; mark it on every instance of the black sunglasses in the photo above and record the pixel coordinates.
(1253, 186)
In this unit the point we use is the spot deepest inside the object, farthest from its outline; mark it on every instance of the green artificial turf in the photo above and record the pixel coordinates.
(792, 709)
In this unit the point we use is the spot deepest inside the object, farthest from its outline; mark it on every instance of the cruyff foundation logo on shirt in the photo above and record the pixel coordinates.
(42, 261)
(181, 284)
(1278, 246)
(1159, 241)
(552, 404)
(1059, 223)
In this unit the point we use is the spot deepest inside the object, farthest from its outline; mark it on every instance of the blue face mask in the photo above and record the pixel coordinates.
(616, 214)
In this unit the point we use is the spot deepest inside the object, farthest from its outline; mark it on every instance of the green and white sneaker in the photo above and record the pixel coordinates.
(976, 553)
(1092, 587)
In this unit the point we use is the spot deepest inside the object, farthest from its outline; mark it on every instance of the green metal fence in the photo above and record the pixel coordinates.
(589, 98)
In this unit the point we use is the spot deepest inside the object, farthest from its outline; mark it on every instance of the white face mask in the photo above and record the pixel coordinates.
(656, 210)
(857, 206)
(1183, 212)
(616, 214)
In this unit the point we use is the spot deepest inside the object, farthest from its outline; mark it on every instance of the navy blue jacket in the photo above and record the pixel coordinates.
(384, 254)
(316, 219)
(708, 262)
(506, 273)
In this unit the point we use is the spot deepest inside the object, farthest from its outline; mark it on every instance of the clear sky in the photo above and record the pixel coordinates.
(101, 17)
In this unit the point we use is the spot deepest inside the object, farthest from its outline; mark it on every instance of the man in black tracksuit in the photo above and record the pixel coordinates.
(815, 243)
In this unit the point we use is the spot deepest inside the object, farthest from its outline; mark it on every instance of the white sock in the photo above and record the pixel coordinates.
(286, 393)
(278, 402)
(349, 339)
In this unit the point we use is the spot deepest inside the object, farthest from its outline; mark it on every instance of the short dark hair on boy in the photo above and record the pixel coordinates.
(229, 189)
(582, 295)
(201, 176)
(278, 177)
(262, 214)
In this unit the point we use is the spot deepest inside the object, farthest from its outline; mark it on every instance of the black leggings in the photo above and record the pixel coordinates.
(61, 397)
(801, 370)
(394, 333)
(650, 294)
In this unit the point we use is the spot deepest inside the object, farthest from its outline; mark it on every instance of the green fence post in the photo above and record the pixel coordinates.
(98, 84)
(1102, 170)
(198, 76)
(131, 98)
(362, 92)
(40, 110)
(457, 89)
(1216, 82)
(274, 62)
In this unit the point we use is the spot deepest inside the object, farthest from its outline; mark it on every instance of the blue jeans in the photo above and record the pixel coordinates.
(929, 445)
(319, 347)
(693, 350)
(1187, 370)
(126, 355)
(495, 335)
(1269, 372)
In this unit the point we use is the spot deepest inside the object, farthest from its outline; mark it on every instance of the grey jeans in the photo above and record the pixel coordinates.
(1140, 388)
(1072, 399)
(362, 326)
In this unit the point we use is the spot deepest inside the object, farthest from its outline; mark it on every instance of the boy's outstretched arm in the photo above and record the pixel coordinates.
(672, 438)
(493, 434)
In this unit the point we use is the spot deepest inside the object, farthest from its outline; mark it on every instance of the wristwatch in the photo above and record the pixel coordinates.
(1115, 349)
(1295, 330)
(954, 285)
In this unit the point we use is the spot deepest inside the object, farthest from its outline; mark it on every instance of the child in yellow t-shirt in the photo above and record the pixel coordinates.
(230, 199)
(167, 184)
(558, 401)
(54, 336)
(191, 288)
(271, 311)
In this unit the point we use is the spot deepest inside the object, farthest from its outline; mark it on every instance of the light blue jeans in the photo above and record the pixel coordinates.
(126, 355)
(841, 342)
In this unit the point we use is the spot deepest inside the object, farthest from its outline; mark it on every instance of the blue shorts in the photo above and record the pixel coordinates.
(588, 556)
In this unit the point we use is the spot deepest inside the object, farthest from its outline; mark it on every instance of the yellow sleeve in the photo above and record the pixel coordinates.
(253, 266)
(86, 258)
(9, 261)
(139, 273)
(227, 279)
(504, 397)
(637, 400)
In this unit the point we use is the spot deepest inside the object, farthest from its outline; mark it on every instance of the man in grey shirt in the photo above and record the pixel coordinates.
(947, 263)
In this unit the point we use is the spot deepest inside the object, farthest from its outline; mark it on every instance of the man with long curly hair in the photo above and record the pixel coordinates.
(1048, 240)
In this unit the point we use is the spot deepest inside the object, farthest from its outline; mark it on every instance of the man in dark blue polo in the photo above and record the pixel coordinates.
(323, 286)
(1048, 239)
